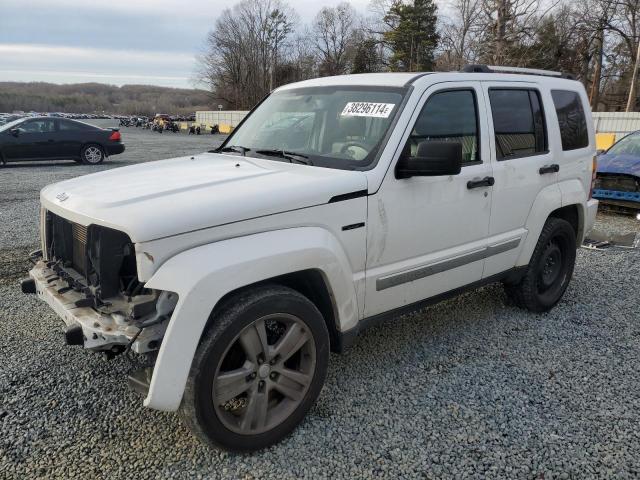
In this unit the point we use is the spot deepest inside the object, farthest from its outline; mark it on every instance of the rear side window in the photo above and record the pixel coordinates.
(449, 116)
(571, 118)
(73, 126)
(518, 123)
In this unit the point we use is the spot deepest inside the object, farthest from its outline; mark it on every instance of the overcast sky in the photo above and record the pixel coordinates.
(113, 41)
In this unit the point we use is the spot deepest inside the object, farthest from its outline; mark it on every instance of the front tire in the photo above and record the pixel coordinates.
(258, 369)
(92, 154)
(550, 268)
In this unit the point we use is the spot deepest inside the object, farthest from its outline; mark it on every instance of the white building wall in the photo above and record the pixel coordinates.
(616, 122)
(215, 117)
(605, 122)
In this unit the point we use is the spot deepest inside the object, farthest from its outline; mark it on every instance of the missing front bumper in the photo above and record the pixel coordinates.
(100, 331)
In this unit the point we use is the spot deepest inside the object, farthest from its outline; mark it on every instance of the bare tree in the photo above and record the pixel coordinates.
(459, 34)
(625, 24)
(242, 51)
(333, 29)
(508, 26)
(259, 44)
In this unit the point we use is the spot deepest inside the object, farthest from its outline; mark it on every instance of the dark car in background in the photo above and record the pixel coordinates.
(52, 138)
(618, 175)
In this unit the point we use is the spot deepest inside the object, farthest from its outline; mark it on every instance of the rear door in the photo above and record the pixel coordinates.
(523, 164)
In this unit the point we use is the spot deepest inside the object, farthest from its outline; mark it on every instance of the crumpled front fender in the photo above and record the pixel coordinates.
(203, 275)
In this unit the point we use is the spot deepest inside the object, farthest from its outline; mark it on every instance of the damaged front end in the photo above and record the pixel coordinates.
(88, 275)
(618, 191)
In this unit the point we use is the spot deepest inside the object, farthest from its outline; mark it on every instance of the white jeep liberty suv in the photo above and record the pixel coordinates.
(336, 203)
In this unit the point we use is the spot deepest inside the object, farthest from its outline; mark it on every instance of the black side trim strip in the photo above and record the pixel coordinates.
(346, 339)
(399, 278)
(353, 226)
(348, 196)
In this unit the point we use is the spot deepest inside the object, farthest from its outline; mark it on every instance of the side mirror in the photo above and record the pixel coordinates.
(433, 159)
(15, 132)
(600, 151)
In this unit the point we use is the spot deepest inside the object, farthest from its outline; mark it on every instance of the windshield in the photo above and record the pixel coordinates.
(337, 127)
(630, 145)
(9, 125)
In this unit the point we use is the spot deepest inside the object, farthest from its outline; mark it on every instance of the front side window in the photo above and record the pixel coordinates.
(449, 116)
(336, 127)
(38, 126)
(571, 119)
(518, 123)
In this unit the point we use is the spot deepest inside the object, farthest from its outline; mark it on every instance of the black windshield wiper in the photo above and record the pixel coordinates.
(234, 148)
(291, 156)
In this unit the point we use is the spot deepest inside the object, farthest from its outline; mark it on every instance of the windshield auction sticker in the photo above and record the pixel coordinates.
(367, 109)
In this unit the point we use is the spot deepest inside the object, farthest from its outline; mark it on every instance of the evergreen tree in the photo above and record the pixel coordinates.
(412, 37)
(366, 58)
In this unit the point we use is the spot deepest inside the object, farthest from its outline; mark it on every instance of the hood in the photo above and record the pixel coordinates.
(623, 163)
(168, 197)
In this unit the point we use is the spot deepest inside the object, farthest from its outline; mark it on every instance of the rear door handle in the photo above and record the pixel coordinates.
(553, 168)
(485, 182)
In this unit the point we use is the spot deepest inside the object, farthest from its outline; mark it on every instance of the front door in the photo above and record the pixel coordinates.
(36, 139)
(428, 235)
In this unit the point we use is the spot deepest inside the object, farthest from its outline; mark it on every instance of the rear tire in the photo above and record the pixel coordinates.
(92, 154)
(259, 368)
(550, 268)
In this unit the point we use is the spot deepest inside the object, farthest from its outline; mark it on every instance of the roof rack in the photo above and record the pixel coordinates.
(479, 68)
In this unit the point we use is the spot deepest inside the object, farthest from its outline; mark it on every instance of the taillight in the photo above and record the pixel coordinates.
(115, 136)
(594, 168)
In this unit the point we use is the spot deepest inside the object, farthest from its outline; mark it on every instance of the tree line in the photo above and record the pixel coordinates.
(98, 98)
(260, 44)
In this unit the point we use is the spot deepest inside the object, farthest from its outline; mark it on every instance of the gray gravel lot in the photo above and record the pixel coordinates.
(470, 388)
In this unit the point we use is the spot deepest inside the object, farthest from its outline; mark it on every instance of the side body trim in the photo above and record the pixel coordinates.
(407, 276)
(347, 338)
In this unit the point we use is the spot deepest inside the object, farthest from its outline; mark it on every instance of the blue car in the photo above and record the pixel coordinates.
(618, 174)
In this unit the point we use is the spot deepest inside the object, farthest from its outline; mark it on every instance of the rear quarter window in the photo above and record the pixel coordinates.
(571, 119)
(75, 126)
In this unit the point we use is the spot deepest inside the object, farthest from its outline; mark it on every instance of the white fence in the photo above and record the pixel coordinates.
(226, 117)
(616, 122)
(605, 122)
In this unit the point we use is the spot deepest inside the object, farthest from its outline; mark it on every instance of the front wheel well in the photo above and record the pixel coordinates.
(571, 214)
(310, 283)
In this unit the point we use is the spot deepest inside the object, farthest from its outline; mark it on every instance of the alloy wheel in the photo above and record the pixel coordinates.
(93, 154)
(264, 374)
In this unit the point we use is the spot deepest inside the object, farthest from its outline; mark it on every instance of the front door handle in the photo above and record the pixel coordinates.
(553, 168)
(485, 182)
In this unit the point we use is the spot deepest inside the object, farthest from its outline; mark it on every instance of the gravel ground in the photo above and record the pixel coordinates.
(470, 388)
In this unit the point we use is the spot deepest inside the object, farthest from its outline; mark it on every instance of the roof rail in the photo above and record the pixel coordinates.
(479, 68)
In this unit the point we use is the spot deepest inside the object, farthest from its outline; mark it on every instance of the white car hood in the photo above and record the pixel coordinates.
(168, 197)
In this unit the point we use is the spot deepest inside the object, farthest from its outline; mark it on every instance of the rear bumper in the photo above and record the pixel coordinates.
(114, 149)
(590, 219)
